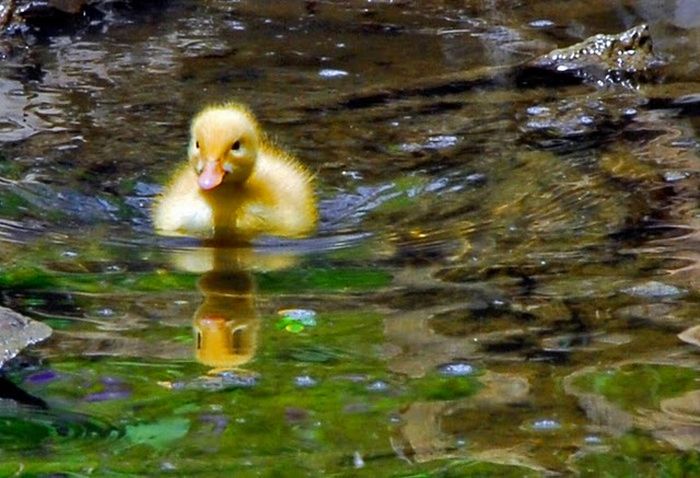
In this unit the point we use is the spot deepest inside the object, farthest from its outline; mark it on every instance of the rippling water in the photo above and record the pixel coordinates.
(482, 298)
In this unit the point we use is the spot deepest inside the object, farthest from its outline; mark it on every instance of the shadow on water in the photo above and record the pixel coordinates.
(504, 262)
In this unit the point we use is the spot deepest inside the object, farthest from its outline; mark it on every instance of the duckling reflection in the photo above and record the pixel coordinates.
(226, 324)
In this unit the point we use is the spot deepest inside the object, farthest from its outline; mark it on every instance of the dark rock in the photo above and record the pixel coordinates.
(51, 16)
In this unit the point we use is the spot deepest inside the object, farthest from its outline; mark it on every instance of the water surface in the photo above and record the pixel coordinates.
(479, 300)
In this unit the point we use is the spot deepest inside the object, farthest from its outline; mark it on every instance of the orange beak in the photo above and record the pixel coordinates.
(211, 176)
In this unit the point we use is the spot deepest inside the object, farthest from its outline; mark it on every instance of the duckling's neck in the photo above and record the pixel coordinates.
(227, 202)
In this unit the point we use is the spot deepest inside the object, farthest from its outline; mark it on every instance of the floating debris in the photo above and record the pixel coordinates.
(296, 320)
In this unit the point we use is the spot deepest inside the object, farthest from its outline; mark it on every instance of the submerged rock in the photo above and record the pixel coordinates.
(626, 59)
(576, 121)
(18, 332)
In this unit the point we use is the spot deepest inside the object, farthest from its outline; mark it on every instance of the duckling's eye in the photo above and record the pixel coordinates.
(236, 146)
(196, 144)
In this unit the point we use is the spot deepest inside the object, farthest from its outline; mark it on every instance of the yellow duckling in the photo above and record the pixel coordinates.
(237, 184)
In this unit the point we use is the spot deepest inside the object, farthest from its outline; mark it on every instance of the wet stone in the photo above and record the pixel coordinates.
(18, 332)
(604, 59)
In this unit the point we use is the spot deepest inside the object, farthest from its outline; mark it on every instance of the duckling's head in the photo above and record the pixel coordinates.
(223, 145)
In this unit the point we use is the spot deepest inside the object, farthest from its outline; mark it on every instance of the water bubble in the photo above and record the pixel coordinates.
(546, 425)
(537, 110)
(456, 369)
(304, 381)
(353, 175)
(476, 178)
(441, 141)
(357, 460)
(331, 73)
(235, 25)
(593, 440)
(541, 23)
(378, 386)
(653, 289)
(673, 176)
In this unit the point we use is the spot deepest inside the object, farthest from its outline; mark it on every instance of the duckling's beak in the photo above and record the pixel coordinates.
(211, 176)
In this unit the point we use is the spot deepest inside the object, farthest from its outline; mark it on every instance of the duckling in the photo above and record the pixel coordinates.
(236, 184)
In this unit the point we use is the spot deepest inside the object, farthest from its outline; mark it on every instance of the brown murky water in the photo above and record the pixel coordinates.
(496, 288)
